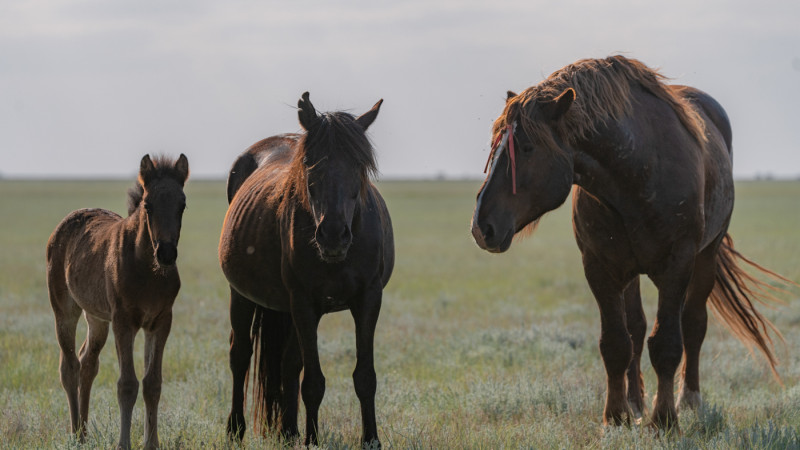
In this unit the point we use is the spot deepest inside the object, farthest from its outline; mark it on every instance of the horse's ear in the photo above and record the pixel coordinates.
(182, 167)
(510, 95)
(555, 109)
(146, 169)
(306, 112)
(366, 119)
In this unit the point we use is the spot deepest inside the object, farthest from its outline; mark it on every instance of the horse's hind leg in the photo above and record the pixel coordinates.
(365, 316)
(90, 357)
(274, 337)
(66, 313)
(637, 327)
(155, 338)
(694, 321)
(241, 317)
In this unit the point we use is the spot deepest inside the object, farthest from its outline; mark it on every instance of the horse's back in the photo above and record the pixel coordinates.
(77, 252)
(712, 109)
(77, 227)
(275, 150)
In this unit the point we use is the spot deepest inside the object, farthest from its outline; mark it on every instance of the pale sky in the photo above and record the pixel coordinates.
(88, 87)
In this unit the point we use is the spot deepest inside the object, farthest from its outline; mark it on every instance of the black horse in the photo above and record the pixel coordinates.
(654, 196)
(306, 234)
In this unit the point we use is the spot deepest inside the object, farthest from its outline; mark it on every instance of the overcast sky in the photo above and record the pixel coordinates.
(88, 87)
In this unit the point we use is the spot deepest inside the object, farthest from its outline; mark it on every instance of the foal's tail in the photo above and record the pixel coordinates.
(269, 335)
(732, 300)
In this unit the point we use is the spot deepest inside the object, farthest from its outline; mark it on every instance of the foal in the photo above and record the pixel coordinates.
(120, 271)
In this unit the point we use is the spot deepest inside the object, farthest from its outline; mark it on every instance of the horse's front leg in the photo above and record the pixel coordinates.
(128, 384)
(365, 314)
(666, 342)
(154, 340)
(615, 341)
(306, 321)
(241, 317)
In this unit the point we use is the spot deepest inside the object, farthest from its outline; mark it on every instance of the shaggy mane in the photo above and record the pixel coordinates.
(336, 135)
(603, 93)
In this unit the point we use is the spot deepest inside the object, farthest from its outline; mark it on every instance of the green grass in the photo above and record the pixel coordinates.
(473, 350)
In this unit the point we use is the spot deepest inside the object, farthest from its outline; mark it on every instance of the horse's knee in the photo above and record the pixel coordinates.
(616, 348)
(127, 388)
(666, 351)
(365, 381)
(151, 387)
(313, 390)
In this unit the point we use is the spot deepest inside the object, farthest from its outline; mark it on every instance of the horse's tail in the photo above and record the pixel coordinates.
(732, 300)
(269, 335)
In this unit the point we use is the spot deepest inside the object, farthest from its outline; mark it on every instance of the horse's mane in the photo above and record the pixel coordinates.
(336, 134)
(603, 93)
(164, 167)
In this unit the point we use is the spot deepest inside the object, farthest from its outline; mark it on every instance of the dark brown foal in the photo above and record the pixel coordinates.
(119, 271)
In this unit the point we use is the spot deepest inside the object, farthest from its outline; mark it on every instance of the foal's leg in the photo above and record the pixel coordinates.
(306, 321)
(241, 316)
(90, 363)
(67, 313)
(128, 384)
(637, 327)
(154, 340)
(365, 315)
(665, 343)
(615, 341)
(694, 321)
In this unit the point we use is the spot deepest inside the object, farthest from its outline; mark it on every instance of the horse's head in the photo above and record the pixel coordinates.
(338, 161)
(163, 201)
(530, 170)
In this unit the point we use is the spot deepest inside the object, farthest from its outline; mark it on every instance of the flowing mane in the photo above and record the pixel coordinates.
(337, 135)
(603, 88)
(165, 167)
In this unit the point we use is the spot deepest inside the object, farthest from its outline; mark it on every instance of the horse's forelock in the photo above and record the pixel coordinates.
(163, 167)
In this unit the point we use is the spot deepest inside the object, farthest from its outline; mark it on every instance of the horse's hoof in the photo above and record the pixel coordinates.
(236, 428)
(374, 444)
(689, 400)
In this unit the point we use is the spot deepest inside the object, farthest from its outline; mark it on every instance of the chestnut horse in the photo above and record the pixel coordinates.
(120, 271)
(654, 196)
(306, 234)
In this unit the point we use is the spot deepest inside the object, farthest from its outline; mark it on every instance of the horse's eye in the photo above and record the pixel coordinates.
(527, 148)
(148, 207)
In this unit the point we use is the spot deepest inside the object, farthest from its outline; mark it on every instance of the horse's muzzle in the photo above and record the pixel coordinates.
(166, 253)
(333, 242)
(488, 239)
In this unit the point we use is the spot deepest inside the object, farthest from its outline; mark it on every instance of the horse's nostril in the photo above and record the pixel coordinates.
(488, 232)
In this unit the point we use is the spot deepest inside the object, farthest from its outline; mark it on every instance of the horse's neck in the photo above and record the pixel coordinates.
(607, 164)
(137, 234)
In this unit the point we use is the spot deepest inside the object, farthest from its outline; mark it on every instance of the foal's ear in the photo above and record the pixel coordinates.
(510, 95)
(146, 169)
(306, 112)
(366, 119)
(555, 109)
(182, 167)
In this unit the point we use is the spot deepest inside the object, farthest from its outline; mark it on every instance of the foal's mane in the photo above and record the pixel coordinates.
(603, 93)
(164, 167)
(335, 135)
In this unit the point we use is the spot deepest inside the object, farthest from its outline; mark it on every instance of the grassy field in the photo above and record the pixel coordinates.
(473, 350)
